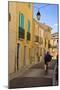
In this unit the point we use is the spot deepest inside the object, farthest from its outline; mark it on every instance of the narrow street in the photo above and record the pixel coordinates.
(33, 36)
(34, 77)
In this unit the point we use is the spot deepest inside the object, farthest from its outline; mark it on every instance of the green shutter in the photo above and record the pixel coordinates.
(28, 26)
(22, 20)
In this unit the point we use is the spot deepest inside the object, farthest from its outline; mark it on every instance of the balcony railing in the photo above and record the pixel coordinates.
(21, 33)
(39, 39)
(36, 38)
(28, 36)
(52, 46)
(55, 46)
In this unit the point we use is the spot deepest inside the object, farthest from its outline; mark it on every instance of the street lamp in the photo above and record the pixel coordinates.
(38, 15)
(38, 18)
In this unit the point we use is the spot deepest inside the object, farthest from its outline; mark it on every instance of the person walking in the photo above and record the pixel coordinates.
(47, 59)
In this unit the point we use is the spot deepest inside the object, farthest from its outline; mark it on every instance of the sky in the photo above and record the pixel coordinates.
(49, 15)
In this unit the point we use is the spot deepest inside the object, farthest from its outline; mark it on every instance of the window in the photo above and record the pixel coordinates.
(21, 31)
(36, 38)
(29, 5)
(21, 20)
(28, 36)
(41, 40)
(41, 51)
(28, 26)
(49, 44)
(9, 17)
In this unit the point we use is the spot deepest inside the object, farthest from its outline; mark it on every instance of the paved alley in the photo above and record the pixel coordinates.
(34, 77)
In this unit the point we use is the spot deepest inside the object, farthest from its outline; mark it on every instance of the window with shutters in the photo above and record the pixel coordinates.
(21, 31)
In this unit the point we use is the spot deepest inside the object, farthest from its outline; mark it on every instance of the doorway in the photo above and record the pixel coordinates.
(19, 54)
(25, 54)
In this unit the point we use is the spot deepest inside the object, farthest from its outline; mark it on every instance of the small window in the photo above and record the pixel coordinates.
(28, 26)
(40, 51)
(9, 17)
(29, 5)
(45, 42)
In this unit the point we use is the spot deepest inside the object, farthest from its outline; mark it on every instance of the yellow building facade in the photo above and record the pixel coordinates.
(38, 41)
(47, 37)
(28, 39)
(20, 35)
(41, 38)
(54, 44)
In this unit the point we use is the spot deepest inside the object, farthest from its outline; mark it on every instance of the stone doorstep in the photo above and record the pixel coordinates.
(19, 72)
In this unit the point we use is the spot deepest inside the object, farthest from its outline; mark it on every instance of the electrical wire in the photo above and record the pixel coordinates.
(42, 6)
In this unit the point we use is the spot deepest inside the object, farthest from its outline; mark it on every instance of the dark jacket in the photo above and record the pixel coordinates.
(47, 57)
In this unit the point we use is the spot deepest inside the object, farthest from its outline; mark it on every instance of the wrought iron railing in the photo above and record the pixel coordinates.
(21, 33)
(28, 35)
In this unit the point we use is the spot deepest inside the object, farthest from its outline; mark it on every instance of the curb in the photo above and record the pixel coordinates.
(54, 77)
